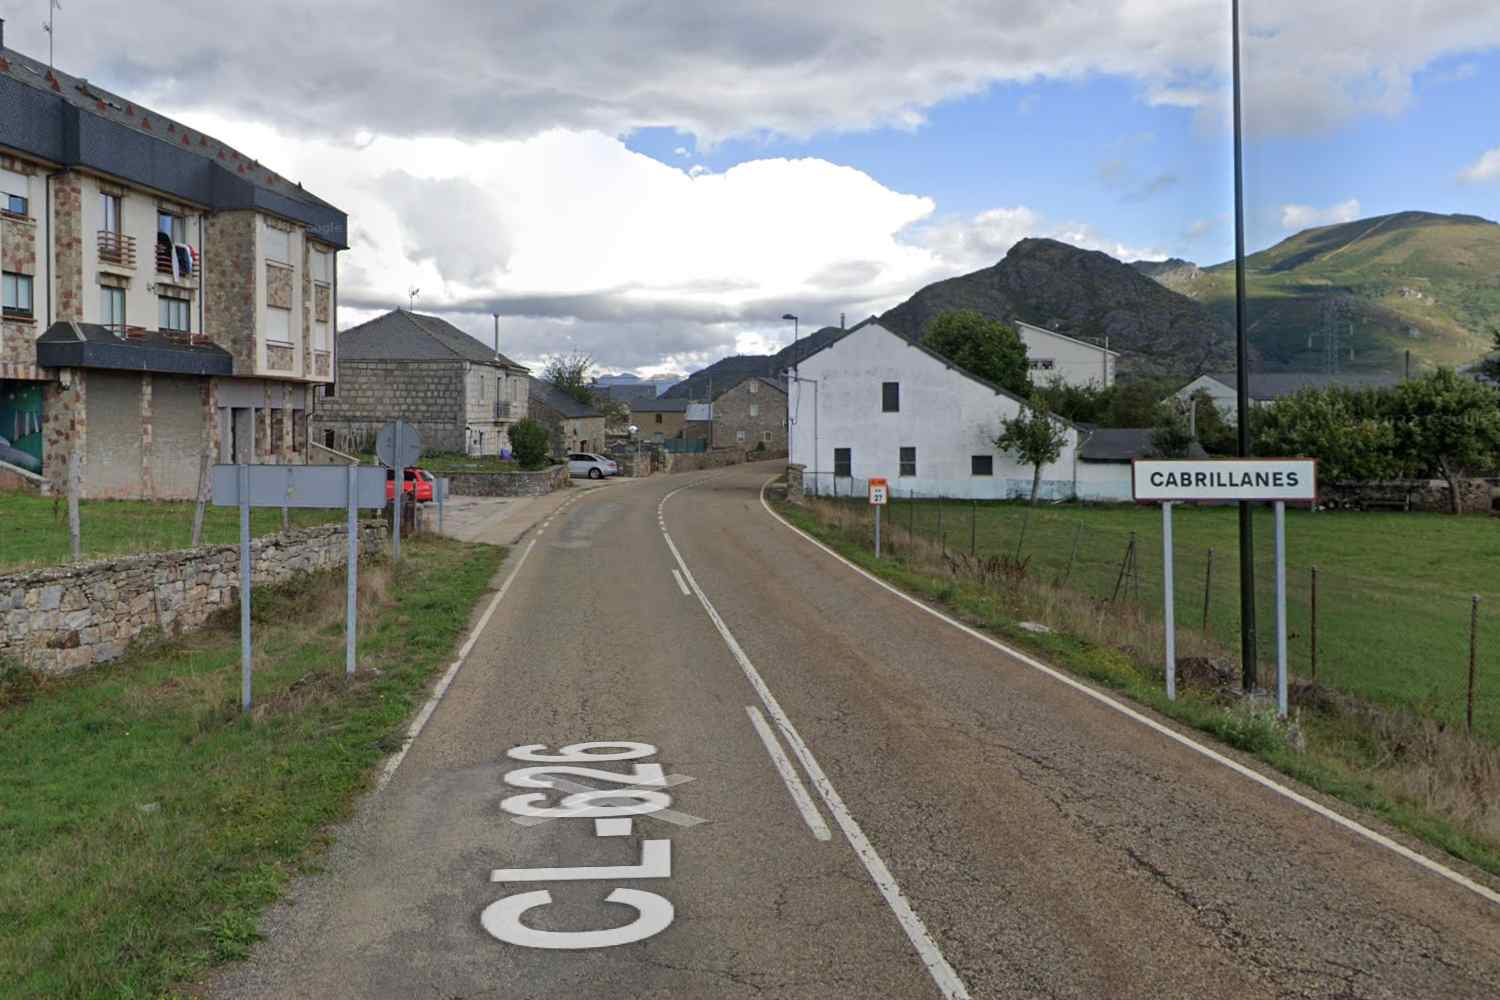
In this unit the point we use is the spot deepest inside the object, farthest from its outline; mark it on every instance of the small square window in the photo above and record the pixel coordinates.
(15, 204)
(982, 465)
(908, 462)
(17, 300)
(755, 409)
(739, 437)
(754, 387)
(843, 462)
(658, 418)
(765, 436)
(890, 397)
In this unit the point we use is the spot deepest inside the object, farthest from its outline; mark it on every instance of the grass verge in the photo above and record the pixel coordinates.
(1418, 774)
(146, 824)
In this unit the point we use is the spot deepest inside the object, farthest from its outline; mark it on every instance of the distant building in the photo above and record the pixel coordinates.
(1074, 362)
(1105, 457)
(1267, 387)
(659, 418)
(751, 414)
(573, 426)
(461, 395)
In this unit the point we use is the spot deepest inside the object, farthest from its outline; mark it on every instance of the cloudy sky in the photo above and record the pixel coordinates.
(655, 182)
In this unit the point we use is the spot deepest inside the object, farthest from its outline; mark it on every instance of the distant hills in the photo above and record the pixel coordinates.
(727, 373)
(1358, 295)
(1087, 295)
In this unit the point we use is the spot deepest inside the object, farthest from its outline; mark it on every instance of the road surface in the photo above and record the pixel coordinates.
(854, 799)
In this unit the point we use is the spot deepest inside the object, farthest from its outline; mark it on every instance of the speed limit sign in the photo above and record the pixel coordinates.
(880, 493)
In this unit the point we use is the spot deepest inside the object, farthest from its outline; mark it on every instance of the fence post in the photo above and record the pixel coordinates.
(1125, 564)
(1315, 623)
(942, 531)
(911, 516)
(1208, 584)
(973, 527)
(1473, 659)
(75, 529)
(1072, 553)
(1025, 520)
(202, 499)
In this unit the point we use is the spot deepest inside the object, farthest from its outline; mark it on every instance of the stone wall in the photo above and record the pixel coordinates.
(794, 489)
(733, 416)
(229, 264)
(1429, 495)
(508, 484)
(369, 394)
(68, 618)
(719, 458)
(18, 256)
(67, 246)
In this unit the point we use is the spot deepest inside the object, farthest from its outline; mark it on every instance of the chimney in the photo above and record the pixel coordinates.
(497, 334)
(841, 321)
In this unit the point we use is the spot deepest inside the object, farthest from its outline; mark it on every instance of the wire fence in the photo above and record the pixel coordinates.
(1372, 626)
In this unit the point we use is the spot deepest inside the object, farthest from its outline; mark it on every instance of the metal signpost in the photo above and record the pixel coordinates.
(1168, 481)
(286, 486)
(399, 445)
(880, 495)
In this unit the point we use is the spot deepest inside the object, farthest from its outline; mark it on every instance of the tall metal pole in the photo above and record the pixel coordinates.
(1242, 383)
(245, 580)
(351, 608)
(1281, 607)
(1168, 600)
(398, 486)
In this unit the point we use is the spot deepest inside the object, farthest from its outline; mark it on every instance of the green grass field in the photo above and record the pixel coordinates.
(1394, 590)
(146, 823)
(34, 533)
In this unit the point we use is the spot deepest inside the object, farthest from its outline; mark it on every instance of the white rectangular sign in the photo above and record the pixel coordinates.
(325, 486)
(879, 492)
(1225, 479)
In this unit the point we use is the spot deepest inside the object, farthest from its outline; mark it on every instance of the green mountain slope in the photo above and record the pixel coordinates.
(1361, 294)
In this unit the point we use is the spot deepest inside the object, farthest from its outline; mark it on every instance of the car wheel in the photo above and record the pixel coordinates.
(594, 473)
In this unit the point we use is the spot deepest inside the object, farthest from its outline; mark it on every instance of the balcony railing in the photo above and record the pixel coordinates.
(164, 258)
(502, 410)
(116, 248)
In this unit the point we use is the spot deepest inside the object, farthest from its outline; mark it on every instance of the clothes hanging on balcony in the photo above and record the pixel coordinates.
(182, 261)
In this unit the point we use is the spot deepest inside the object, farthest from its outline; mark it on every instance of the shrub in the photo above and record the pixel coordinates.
(529, 440)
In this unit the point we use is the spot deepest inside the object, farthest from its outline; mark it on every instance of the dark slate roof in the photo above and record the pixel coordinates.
(660, 404)
(1276, 385)
(400, 335)
(89, 345)
(555, 399)
(1122, 444)
(68, 120)
(775, 383)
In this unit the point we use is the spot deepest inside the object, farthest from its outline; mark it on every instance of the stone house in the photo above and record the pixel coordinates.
(574, 426)
(461, 395)
(659, 418)
(165, 295)
(752, 413)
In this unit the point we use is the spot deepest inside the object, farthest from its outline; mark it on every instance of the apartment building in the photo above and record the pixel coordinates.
(165, 295)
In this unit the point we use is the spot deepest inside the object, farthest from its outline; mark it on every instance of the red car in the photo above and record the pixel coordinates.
(419, 479)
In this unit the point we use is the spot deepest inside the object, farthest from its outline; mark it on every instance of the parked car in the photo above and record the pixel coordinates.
(419, 480)
(594, 466)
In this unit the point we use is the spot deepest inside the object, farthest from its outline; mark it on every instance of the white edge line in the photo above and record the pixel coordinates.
(943, 974)
(1373, 836)
(810, 814)
(417, 724)
(684, 587)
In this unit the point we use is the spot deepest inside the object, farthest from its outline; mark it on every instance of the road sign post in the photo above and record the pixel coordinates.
(319, 486)
(880, 495)
(1169, 481)
(398, 445)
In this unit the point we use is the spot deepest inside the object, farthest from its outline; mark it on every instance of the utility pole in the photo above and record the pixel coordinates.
(51, 8)
(1242, 381)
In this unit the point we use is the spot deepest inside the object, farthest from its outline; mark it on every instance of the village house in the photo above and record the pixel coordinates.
(874, 404)
(1267, 387)
(1055, 356)
(659, 419)
(461, 395)
(751, 414)
(571, 425)
(165, 295)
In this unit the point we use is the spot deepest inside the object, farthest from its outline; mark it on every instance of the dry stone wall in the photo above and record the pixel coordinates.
(508, 484)
(68, 618)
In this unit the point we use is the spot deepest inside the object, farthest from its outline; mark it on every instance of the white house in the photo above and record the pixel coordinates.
(1075, 362)
(1267, 387)
(874, 404)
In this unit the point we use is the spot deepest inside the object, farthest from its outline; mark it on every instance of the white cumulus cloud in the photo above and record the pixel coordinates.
(1486, 168)
(1307, 217)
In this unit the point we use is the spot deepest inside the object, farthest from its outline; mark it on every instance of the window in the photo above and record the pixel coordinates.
(174, 227)
(279, 326)
(908, 462)
(1042, 364)
(843, 462)
(112, 309)
(890, 397)
(658, 418)
(328, 393)
(15, 204)
(328, 435)
(765, 436)
(110, 203)
(320, 337)
(17, 294)
(176, 314)
(754, 387)
(481, 385)
(278, 245)
(13, 190)
(755, 409)
(320, 267)
(739, 437)
(982, 465)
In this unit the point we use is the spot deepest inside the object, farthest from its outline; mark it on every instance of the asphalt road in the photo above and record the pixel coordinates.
(972, 827)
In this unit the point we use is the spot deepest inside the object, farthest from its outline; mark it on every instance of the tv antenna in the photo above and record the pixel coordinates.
(411, 298)
(51, 7)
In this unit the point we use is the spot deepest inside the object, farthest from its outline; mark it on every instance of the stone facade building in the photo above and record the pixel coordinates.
(659, 419)
(181, 304)
(460, 395)
(750, 414)
(574, 426)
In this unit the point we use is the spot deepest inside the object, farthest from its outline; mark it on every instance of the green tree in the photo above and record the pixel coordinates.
(1171, 437)
(528, 441)
(982, 346)
(1035, 436)
(616, 413)
(1446, 423)
(570, 374)
(1349, 431)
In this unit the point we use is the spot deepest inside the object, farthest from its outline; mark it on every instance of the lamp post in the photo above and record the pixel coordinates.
(1242, 382)
(635, 435)
(795, 338)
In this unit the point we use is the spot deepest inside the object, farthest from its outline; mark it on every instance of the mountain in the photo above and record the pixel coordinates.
(727, 373)
(1084, 294)
(1358, 295)
(1174, 272)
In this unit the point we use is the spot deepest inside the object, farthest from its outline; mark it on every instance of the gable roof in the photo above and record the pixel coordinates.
(1123, 444)
(554, 398)
(778, 384)
(659, 404)
(400, 335)
(1064, 336)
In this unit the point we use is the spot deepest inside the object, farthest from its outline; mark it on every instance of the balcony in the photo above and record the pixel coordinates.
(164, 261)
(116, 249)
(502, 410)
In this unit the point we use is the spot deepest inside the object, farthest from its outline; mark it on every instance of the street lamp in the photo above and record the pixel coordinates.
(634, 433)
(795, 337)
